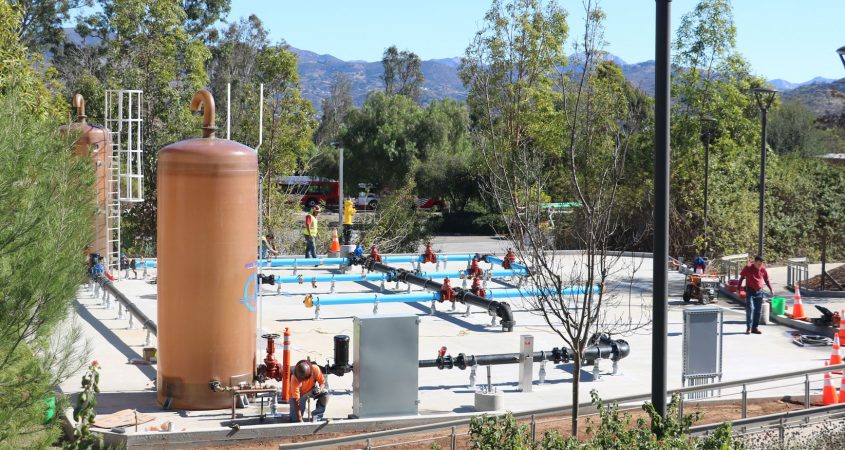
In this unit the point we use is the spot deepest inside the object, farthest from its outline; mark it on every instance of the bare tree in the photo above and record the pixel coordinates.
(334, 109)
(559, 129)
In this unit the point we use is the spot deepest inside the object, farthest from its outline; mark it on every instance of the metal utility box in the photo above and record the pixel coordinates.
(526, 362)
(385, 374)
(702, 349)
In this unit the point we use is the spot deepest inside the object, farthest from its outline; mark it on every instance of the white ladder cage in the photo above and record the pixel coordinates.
(123, 117)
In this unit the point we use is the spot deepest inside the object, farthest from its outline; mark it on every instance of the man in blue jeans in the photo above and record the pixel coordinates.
(310, 232)
(755, 275)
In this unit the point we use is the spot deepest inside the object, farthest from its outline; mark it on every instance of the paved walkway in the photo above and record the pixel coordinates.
(442, 391)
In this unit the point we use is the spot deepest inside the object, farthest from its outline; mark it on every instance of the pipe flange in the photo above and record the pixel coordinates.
(460, 361)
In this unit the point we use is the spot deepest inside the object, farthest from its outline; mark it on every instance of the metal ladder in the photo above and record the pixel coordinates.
(123, 117)
(113, 212)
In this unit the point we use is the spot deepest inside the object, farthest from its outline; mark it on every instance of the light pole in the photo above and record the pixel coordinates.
(662, 99)
(339, 148)
(765, 97)
(707, 125)
(340, 187)
(841, 51)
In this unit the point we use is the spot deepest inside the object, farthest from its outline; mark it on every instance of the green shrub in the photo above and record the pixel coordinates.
(84, 413)
(614, 430)
(46, 211)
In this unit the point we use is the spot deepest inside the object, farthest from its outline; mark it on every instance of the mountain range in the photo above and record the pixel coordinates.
(317, 72)
(824, 96)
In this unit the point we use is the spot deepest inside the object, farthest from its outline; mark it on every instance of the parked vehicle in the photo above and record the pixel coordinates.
(432, 203)
(313, 190)
(366, 200)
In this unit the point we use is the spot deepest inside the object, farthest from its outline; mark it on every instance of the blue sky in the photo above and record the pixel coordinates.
(790, 39)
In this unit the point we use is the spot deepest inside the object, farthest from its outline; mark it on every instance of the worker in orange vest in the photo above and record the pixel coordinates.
(307, 382)
(310, 232)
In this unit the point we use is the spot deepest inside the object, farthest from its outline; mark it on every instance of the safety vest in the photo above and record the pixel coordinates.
(313, 232)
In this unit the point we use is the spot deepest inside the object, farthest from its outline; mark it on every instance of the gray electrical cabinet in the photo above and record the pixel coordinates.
(385, 366)
(702, 349)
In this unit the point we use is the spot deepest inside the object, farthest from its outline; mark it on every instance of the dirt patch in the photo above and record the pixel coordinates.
(837, 274)
(713, 412)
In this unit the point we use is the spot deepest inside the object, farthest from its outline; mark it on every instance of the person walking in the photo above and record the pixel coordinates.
(307, 382)
(754, 275)
(310, 232)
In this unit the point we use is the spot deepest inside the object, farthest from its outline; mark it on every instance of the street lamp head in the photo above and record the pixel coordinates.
(764, 96)
(841, 52)
(708, 124)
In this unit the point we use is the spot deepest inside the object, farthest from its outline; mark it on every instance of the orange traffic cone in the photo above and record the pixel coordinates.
(335, 243)
(829, 392)
(797, 306)
(841, 325)
(842, 391)
(835, 354)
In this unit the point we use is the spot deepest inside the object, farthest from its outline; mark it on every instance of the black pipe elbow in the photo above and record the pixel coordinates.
(336, 369)
(503, 310)
(621, 349)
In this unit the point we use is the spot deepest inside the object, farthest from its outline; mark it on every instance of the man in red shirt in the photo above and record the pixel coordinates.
(755, 275)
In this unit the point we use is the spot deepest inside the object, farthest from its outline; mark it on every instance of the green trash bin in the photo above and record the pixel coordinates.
(50, 412)
(778, 306)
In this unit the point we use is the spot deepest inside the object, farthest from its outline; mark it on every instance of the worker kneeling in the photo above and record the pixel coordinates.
(306, 383)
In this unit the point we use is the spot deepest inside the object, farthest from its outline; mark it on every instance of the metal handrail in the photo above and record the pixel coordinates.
(464, 421)
(147, 323)
(770, 418)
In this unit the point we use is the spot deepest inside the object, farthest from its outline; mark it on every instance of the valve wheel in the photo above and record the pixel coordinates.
(271, 336)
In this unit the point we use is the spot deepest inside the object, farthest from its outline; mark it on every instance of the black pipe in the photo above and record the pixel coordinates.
(341, 364)
(604, 349)
(501, 309)
(662, 101)
(131, 307)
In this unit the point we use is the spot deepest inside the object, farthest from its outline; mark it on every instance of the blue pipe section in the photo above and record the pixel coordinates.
(328, 300)
(510, 293)
(376, 276)
(419, 258)
(499, 261)
(291, 262)
(327, 277)
(358, 299)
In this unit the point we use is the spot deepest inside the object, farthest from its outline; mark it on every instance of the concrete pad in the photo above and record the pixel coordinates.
(442, 392)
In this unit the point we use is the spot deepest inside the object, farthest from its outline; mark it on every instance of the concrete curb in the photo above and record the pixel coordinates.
(272, 430)
(818, 293)
(799, 325)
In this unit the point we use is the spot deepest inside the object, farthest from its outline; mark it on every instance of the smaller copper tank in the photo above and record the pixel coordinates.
(207, 228)
(94, 141)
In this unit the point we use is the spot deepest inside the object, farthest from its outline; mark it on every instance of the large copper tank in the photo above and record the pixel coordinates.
(207, 228)
(94, 141)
